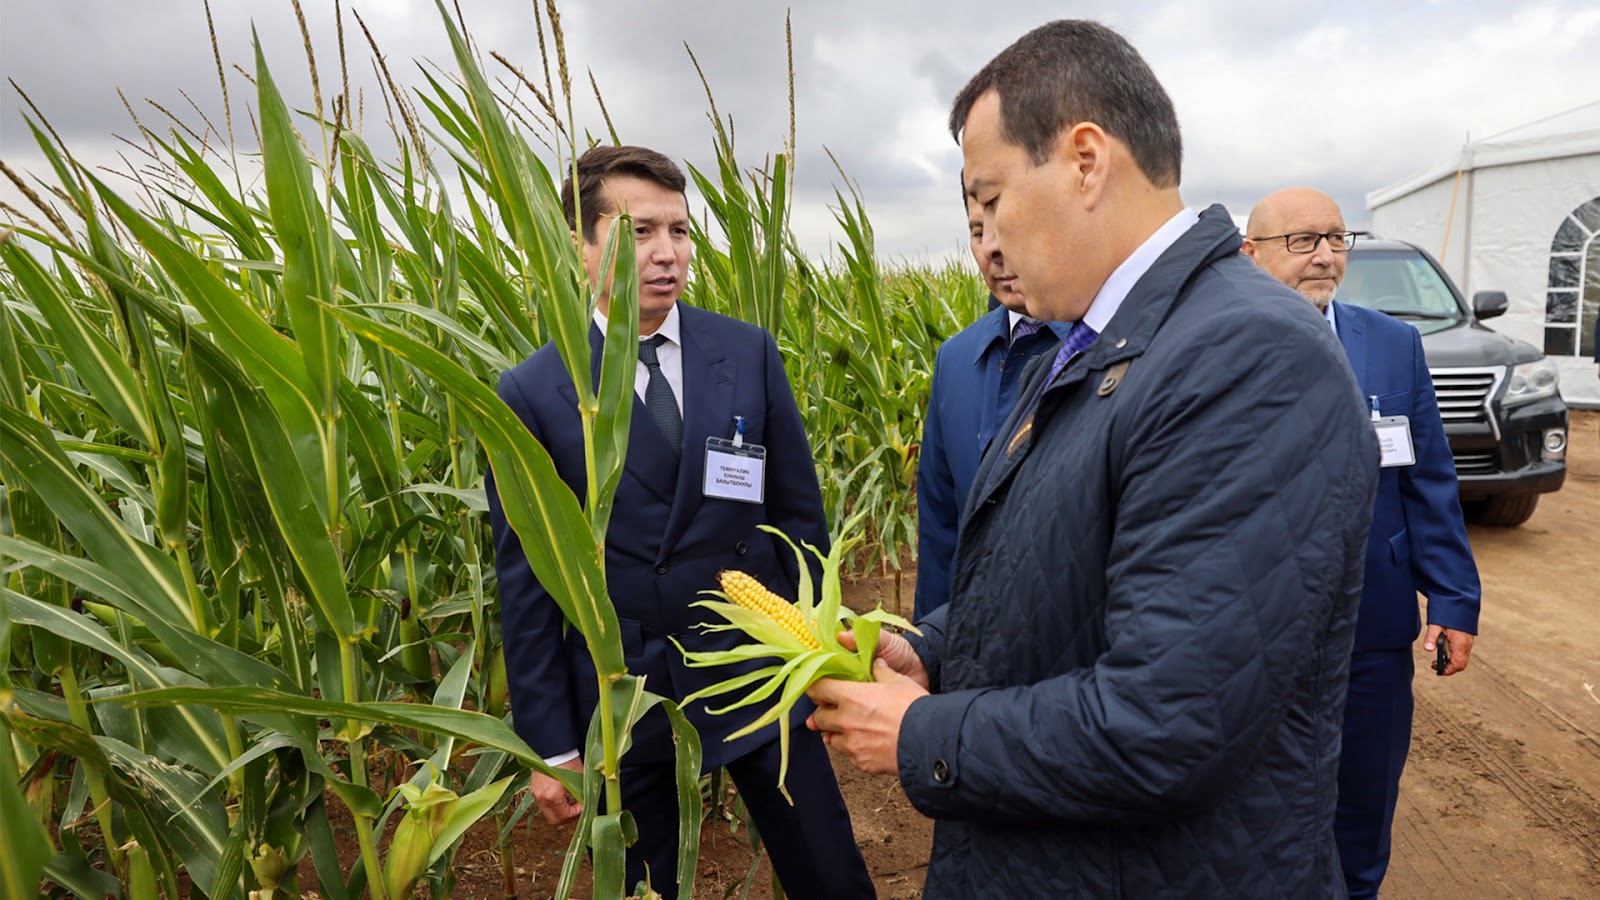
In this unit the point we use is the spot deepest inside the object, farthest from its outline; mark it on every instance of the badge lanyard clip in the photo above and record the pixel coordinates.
(738, 431)
(1372, 400)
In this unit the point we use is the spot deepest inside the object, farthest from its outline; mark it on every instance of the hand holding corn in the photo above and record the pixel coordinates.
(863, 720)
(803, 636)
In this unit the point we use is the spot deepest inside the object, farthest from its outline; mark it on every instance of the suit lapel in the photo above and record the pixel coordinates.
(1353, 335)
(707, 411)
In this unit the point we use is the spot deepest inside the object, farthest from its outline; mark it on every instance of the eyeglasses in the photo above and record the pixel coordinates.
(1306, 241)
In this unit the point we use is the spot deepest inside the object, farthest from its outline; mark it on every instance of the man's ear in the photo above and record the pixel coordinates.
(1085, 149)
(1248, 248)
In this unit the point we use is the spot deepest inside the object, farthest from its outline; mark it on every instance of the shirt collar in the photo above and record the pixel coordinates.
(669, 329)
(1012, 318)
(1000, 327)
(1116, 289)
(1332, 322)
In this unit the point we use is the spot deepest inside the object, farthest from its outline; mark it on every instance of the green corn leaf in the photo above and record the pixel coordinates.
(481, 350)
(360, 206)
(522, 188)
(27, 846)
(83, 747)
(464, 724)
(324, 852)
(74, 873)
(32, 451)
(292, 494)
(304, 237)
(610, 860)
(618, 363)
(687, 773)
(189, 726)
(30, 515)
(198, 831)
(273, 361)
(468, 810)
(539, 506)
(102, 367)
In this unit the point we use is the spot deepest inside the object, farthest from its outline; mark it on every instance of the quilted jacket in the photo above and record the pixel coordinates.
(1139, 679)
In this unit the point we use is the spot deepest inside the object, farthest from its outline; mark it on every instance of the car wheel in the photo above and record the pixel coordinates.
(1505, 511)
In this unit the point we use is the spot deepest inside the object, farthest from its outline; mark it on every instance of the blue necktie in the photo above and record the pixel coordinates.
(1076, 341)
(658, 397)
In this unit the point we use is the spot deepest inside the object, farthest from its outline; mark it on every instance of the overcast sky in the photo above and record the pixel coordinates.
(1348, 97)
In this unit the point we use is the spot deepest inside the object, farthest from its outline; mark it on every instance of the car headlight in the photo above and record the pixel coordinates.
(1532, 381)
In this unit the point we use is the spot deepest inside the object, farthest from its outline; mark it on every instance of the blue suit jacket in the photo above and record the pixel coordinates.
(666, 541)
(975, 377)
(1418, 541)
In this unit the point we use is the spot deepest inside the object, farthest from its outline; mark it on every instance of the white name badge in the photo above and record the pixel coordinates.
(1394, 441)
(735, 470)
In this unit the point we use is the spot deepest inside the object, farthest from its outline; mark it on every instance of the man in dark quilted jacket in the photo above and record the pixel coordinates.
(1137, 685)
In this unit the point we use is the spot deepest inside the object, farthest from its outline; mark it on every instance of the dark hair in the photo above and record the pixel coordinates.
(601, 162)
(1071, 71)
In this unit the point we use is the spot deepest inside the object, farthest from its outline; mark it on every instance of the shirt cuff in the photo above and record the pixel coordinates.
(561, 759)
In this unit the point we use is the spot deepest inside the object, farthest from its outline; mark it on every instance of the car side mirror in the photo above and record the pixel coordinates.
(1488, 304)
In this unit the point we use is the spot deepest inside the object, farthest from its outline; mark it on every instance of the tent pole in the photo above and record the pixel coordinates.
(1455, 193)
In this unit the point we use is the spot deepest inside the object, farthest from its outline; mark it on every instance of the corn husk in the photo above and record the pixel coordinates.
(800, 662)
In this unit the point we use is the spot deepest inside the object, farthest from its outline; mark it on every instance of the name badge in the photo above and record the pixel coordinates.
(1394, 441)
(735, 470)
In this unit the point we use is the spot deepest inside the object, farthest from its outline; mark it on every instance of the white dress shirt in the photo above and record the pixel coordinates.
(669, 355)
(1115, 290)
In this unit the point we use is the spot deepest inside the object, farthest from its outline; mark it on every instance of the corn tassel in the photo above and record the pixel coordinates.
(749, 593)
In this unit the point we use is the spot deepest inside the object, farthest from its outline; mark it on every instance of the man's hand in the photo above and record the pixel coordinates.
(863, 719)
(896, 652)
(1459, 643)
(558, 806)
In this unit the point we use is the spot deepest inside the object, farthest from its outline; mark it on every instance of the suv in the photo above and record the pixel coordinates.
(1499, 397)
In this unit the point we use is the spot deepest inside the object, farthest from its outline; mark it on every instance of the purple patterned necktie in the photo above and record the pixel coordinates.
(1024, 328)
(1076, 341)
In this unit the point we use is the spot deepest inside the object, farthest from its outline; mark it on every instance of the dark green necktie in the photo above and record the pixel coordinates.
(658, 396)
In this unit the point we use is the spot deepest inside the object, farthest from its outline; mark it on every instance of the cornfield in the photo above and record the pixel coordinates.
(243, 433)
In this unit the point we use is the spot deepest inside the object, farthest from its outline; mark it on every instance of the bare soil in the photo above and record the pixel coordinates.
(1501, 798)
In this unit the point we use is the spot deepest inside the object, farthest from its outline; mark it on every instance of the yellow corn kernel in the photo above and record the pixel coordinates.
(749, 593)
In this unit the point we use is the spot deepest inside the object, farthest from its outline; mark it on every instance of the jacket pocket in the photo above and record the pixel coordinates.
(632, 639)
(1400, 547)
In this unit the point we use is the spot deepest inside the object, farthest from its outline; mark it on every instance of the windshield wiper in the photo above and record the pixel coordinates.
(1418, 314)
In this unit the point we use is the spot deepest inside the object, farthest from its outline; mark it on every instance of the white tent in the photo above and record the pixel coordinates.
(1519, 212)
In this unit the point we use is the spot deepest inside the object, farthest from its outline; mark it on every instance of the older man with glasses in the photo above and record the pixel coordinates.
(1417, 543)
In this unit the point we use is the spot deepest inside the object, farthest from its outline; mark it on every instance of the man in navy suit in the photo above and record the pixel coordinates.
(1418, 541)
(975, 377)
(700, 376)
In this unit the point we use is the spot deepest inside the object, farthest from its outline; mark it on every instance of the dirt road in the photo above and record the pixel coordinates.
(1501, 797)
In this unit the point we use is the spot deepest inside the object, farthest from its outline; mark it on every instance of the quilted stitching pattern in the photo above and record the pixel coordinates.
(1145, 653)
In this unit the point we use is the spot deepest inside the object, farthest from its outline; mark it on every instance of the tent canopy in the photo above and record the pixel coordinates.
(1575, 132)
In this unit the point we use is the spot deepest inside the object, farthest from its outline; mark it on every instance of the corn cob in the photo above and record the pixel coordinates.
(749, 593)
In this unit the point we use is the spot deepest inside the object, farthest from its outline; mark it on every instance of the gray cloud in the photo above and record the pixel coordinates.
(1347, 97)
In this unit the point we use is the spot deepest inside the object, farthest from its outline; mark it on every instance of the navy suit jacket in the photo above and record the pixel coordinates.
(666, 541)
(975, 377)
(1418, 541)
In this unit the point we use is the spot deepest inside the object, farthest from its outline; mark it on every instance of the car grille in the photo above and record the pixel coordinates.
(1475, 464)
(1462, 395)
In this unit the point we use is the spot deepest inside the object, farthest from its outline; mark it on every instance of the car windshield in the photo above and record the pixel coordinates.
(1401, 283)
